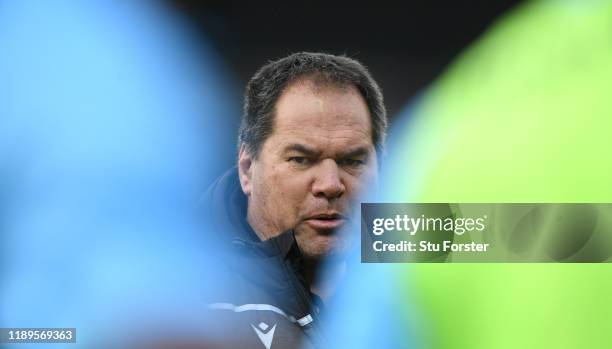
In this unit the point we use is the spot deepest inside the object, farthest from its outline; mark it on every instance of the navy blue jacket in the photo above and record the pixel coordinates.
(262, 299)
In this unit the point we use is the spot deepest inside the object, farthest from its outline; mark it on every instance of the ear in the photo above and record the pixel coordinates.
(245, 170)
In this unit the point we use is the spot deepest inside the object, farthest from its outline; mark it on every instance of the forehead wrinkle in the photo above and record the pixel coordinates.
(328, 119)
(328, 147)
(325, 121)
(325, 136)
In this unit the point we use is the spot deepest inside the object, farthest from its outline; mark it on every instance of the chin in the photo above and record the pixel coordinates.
(323, 247)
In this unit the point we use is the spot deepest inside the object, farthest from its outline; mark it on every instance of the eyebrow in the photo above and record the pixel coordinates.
(359, 151)
(303, 149)
(300, 148)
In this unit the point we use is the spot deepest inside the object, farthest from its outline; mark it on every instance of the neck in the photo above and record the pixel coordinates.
(263, 232)
(324, 277)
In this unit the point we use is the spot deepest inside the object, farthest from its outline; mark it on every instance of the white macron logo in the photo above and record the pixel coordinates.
(264, 334)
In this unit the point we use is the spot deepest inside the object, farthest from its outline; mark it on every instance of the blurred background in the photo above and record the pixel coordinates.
(115, 116)
(404, 44)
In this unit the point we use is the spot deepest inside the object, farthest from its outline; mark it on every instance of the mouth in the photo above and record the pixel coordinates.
(326, 221)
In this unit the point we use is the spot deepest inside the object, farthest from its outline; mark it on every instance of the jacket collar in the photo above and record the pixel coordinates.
(226, 207)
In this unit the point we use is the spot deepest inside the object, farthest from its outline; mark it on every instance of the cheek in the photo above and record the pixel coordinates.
(276, 182)
(357, 185)
(280, 190)
(287, 187)
(371, 178)
(290, 191)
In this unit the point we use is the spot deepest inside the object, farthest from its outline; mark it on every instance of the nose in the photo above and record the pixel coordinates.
(327, 182)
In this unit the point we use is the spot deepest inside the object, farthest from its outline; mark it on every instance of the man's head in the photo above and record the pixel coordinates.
(312, 132)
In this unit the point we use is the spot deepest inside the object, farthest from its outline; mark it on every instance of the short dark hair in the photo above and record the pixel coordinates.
(266, 86)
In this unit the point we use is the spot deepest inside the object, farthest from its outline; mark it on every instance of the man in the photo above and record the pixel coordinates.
(312, 132)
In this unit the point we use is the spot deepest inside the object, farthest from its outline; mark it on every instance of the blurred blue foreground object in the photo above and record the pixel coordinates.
(112, 122)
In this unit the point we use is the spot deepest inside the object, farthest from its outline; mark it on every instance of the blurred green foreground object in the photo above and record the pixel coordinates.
(525, 115)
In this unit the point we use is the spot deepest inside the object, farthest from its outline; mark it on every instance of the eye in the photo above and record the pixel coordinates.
(299, 160)
(352, 162)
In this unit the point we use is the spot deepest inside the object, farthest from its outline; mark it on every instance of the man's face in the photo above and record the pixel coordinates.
(319, 157)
